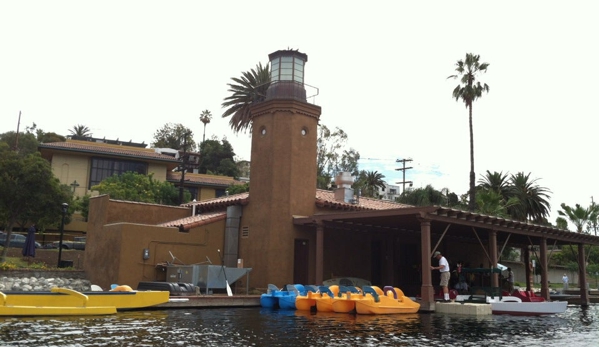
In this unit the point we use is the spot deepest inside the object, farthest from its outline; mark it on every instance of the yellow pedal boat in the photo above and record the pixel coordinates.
(307, 302)
(324, 301)
(345, 302)
(63, 297)
(391, 300)
(79, 306)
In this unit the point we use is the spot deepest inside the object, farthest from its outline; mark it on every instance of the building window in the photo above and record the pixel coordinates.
(220, 192)
(102, 168)
(193, 191)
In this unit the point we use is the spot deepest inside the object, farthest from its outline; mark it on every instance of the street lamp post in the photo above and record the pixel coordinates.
(65, 207)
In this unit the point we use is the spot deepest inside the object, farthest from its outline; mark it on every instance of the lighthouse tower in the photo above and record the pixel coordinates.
(283, 177)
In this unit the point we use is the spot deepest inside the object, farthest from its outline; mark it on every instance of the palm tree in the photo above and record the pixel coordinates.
(205, 118)
(246, 91)
(371, 181)
(80, 130)
(491, 202)
(468, 91)
(497, 182)
(579, 216)
(533, 200)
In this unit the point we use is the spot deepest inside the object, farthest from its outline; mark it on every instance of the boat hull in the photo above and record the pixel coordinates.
(371, 307)
(282, 298)
(269, 301)
(517, 306)
(287, 302)
(529, 308)
(62, 297)
(79, 306)
(306, 302)
(344, 305)
(324, 302)
(345, 302)
(390, 301)
(56, 311)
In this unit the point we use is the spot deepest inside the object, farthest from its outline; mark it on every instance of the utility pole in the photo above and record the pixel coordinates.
(403, 169)
(183, 167)
(16, 148)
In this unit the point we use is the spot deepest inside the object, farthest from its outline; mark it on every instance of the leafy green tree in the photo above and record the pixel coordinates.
(44, 137)
(175, 136)
(568, 256)
(80, 130)
(27, 142)
(28, 191)
(246, 91)
(331, 156)
(468, 91)
(132, 186)
(348, 161)
(81, 204)
(217, 158)
(369, 182)
(238, 188)
(511, 254)
(561, 223)
(427, 196)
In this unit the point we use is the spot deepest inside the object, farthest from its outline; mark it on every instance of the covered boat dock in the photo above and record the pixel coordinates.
(439, 228)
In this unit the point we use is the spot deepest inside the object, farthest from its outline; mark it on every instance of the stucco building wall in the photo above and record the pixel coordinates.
(283, 184)
(122, 231)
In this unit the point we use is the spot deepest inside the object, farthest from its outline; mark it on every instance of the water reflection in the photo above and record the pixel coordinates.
(263, 327)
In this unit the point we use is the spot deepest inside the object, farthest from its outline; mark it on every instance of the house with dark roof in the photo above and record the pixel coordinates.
(83, 162)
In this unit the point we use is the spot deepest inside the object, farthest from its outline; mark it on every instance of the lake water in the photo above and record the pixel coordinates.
(263, 327)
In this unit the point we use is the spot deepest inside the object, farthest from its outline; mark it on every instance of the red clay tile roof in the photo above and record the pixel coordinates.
(213, 208)
(207, 180)
(196, 221)
(135, 202)
(107, 149)
(326, 198)
(220, 203)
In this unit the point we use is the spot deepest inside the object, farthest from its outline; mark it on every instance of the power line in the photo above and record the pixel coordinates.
(377, 159)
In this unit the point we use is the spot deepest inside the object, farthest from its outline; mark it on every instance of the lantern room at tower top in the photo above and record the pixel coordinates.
(287, 75)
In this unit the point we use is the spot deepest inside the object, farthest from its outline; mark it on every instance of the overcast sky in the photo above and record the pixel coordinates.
(126, 68)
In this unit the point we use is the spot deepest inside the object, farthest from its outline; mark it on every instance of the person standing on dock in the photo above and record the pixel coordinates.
(444, 270)
(565, 280)
(510, 279)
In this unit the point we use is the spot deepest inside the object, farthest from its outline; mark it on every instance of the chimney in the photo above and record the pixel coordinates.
(344, 192)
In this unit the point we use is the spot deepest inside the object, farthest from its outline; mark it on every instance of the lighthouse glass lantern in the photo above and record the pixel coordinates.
(287, 75)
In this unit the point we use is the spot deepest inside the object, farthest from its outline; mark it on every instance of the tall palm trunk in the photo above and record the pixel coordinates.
(472, 192)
